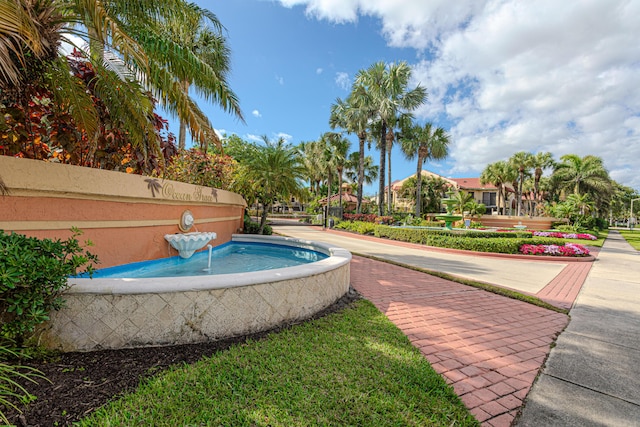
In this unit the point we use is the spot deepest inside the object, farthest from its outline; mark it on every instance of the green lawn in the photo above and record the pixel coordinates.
(350, 368)
(598, 243)
(632, 236)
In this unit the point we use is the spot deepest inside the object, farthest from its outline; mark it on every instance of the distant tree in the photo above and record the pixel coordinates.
(383, 91)
(499, 174)
(426, 143)
(521, 162)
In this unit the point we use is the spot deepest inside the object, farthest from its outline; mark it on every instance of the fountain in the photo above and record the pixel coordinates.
(449, 217)
(186, 244)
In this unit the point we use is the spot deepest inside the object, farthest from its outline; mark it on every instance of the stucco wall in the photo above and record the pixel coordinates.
(125, 216)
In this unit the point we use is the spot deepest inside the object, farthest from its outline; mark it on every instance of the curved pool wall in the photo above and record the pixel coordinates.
(127, 313)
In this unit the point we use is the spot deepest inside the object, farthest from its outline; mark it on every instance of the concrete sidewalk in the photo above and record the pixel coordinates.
(592, 376)
(491, 348)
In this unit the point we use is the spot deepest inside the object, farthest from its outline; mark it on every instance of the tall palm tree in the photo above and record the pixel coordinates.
(499, 174)
(424, 142)
(383, 91)
(276, 172)
(521, 162)
(539, 162)
(348, 116)
(582, 174)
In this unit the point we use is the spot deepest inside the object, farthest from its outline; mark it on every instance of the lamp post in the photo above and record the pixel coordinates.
(631, 215)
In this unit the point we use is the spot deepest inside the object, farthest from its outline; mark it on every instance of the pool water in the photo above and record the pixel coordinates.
(229, 258)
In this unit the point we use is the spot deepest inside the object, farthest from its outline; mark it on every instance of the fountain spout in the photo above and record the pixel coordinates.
(186, 244)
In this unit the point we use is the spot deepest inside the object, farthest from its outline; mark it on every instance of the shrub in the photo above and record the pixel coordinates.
(196, 167)
(33, 275)
(569, 249)
(508, 243)
(369, 218)
(251, 227)
(360, 227)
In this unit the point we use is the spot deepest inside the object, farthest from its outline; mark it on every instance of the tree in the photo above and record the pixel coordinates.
(370, 171)
(521, 162)
(274, 170)
(424, 142)
(498, 173)
(132, 56)
(462, 202)
(382, 90)
(201, 34)
(582, 174)
(336, 158)
(432, 189)
(539, 162)
(353, 119)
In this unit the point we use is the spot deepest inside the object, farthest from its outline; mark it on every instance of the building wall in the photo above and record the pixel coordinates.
(125, 216)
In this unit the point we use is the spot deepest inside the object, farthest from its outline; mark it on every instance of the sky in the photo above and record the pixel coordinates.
(502, 75)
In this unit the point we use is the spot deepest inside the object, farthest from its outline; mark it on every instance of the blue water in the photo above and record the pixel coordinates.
(229, 258)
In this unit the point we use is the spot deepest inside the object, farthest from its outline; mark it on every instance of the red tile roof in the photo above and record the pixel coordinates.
(472, 184)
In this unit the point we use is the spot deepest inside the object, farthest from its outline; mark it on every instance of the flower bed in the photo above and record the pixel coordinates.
(569, 249)
(559, 235)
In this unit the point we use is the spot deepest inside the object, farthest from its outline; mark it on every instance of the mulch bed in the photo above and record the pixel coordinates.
(80, 383)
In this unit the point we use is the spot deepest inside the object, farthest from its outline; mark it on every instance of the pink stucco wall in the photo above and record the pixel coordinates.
(125, 216)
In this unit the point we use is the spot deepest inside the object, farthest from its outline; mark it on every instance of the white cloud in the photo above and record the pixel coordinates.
(343, 81)
(287, 138)
(252, 137)
(511, 75)
(280, 79)
(256, 113)
(319, 70)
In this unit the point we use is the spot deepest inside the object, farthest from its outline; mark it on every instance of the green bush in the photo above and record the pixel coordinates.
(251, 227)
(33, 275)
(360, 227)
(507, 243)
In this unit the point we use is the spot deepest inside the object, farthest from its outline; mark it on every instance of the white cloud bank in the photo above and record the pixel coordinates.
(510, 75)
(256, 113)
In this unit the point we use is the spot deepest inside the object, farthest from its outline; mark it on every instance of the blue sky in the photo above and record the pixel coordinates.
(502, 75)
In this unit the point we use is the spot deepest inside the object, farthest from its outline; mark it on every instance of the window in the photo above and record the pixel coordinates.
(489, 198)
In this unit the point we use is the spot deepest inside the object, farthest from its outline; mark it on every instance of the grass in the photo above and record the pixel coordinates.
(602, 235)
(631, 236)
(349, 368)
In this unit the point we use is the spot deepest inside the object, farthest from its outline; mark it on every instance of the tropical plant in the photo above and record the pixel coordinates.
(521, 162)
(33, 275)
(274, 170)
(499, 174)
(539, 162)
(10, 388)
(370, 171)
(424, 142)
(348, 116)
(383, 91)
(462, 202)
(195, 167)
(582, 174)
(432, 189)
(130, 52)
(338, 147)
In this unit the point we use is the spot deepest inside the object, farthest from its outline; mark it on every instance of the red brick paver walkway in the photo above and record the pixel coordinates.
(488, 347)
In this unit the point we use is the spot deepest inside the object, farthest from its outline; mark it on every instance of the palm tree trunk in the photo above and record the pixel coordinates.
(263, 219)
(419, 187)
(340, 191)
(389, 198)
(362, 138)
(182, 135)
(383, 154)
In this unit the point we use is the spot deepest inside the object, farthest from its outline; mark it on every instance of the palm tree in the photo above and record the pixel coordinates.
(275, 171)
(382, 90)
(348, 116)
(521, 162)
(463, 201)
(582, 174)
(337, 159)
(498, 174)
(131, 32)
(370, 171)
(539, 162)
(424, 142)
(201, 34)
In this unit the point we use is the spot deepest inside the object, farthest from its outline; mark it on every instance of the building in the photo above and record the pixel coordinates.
(486, 194)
